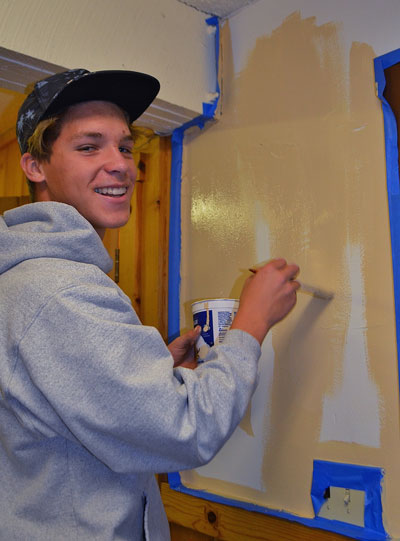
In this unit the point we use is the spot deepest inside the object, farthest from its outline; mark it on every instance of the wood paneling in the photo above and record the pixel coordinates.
(218, 521)
(12, 179)
(155, 219)
(180, 533)
(7, 203)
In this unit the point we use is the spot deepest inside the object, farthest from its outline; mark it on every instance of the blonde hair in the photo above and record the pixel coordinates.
(40, 143)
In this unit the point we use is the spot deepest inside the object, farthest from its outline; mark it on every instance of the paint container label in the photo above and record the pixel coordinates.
(214, 316)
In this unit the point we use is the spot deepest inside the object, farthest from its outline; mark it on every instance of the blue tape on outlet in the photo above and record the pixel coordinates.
(392, 177)
(368, 479)
(174, 278)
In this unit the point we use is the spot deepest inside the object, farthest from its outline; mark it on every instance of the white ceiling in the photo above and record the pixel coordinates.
(221, 8)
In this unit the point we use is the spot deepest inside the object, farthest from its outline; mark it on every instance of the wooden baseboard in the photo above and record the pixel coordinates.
(217, 521)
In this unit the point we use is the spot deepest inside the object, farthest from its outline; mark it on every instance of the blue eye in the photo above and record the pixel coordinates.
(125, 150)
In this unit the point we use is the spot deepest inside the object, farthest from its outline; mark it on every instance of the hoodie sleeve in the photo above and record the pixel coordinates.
(108, 383)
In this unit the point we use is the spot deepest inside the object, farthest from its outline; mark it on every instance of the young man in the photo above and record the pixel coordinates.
(92, 402)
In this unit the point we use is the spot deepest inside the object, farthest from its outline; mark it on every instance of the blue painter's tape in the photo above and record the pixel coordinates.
(210, 108)
(174, 254)
(212, 21)
(368, 479)
(355, 532)
(392, 177)
(174, 480)
(390, 125)
(389, 59)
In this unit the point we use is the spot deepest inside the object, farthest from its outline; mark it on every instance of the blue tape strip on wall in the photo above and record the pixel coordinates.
(392, 177)
(174, 278)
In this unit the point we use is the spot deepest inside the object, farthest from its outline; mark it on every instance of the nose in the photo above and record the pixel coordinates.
(120, 164)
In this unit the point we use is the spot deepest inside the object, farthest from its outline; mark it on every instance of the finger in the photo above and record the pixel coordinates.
(291, 271)
(295, 285)
(296, 274)
(194, 333)
(278, 263)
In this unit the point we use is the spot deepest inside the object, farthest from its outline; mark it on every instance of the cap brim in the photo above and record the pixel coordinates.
(130, 90)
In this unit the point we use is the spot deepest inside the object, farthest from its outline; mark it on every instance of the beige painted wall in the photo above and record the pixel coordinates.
(167, 39)
(295, 167)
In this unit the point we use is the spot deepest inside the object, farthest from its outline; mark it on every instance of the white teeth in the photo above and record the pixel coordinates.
(111, 191)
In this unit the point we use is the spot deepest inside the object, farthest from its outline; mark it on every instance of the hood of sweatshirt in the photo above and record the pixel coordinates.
(49, 229)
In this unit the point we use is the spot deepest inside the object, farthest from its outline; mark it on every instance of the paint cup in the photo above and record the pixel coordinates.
(214, 316)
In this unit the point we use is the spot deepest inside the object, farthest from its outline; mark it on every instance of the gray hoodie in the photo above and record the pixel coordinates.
(91, 406)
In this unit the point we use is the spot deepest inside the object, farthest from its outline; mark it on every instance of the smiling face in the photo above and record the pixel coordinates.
(91, 166)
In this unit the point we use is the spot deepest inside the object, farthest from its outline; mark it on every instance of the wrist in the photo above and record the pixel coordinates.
(258, 329)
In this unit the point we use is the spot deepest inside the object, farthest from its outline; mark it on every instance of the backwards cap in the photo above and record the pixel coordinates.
(130, 90)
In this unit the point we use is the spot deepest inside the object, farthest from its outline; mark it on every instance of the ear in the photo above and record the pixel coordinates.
(32, 168)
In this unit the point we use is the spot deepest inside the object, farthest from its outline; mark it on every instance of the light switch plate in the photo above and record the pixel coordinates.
(344, 504)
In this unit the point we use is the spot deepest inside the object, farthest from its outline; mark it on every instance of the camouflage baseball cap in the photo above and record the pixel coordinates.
(130, 90)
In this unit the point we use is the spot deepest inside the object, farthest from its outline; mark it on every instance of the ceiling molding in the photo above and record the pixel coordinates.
(17, 71)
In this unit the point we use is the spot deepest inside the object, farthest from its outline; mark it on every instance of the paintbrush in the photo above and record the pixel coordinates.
(311, 290)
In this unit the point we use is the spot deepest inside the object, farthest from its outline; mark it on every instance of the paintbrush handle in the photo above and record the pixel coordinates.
(316, 291)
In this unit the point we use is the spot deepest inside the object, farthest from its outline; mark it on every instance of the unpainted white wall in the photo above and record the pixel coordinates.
(166, 39)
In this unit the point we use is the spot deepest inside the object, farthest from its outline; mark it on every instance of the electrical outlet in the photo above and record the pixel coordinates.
(344, 504)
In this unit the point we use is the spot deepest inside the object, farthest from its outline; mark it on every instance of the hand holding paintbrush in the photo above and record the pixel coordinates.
(311, 290)
(266, 298)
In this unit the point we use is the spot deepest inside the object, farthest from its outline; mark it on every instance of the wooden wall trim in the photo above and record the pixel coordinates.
(231, 523)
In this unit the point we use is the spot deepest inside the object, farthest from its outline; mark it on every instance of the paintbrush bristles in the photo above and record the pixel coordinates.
(311, 290)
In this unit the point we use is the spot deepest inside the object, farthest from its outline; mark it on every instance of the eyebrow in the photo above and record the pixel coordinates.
(98, 135)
